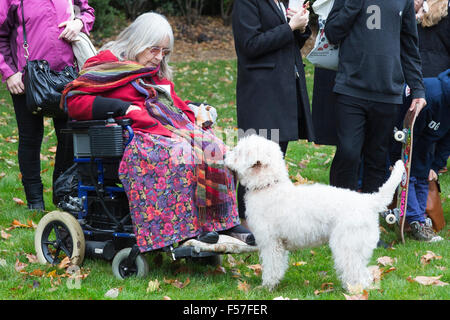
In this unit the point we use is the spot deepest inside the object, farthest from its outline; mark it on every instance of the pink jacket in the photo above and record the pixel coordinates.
(42, 19)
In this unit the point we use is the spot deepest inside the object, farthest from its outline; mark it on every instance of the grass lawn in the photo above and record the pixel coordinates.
(311, 275)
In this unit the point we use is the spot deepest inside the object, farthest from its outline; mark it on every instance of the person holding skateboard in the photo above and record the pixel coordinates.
(378, 54)
(431, 125)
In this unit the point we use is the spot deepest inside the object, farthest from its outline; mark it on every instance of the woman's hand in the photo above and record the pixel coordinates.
(132, 108)
(14, 84)
(299, 19)
(72, 29)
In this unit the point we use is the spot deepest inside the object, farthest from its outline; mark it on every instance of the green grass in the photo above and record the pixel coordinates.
(212, 82)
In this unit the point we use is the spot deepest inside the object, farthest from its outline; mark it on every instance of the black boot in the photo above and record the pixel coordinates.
(35, 198)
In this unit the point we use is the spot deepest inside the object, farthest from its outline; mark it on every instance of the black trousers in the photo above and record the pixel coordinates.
(364, 129)
(31, 132)
(241, 189)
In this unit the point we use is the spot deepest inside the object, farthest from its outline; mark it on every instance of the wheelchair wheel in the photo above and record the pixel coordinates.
(121, 270)
(59, 235)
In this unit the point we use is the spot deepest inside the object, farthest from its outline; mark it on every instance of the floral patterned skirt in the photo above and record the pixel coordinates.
(160, 182)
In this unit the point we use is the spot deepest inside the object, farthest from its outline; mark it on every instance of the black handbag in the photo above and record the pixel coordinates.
(43, 86)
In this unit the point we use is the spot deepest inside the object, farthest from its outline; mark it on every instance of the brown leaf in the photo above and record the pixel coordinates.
(37, 273)
(65, 263)
(427, 281)
(5, 235)
(257, 269)
(19, 266)
(385, 261)
(363, 296)
(430, 255)
(52, 149)
(243, 286)
(32, 258)
(176, 283)
(19, 201)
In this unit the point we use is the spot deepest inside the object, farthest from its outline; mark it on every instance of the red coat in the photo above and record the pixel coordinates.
(80, 106)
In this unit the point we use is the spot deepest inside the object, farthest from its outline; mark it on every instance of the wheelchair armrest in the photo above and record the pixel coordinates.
(86, 124)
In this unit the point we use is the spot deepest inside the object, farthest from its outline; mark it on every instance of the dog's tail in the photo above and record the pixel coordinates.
(386, 192)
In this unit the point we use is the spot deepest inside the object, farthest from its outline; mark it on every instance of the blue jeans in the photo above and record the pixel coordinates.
(417, 199)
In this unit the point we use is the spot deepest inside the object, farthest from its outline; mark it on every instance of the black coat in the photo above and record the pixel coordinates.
(268, 93)
(434, 48)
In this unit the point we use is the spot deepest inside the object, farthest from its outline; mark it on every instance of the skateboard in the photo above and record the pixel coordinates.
(406, 137)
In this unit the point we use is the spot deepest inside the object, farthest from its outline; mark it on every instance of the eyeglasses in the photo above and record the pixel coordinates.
(156, 50)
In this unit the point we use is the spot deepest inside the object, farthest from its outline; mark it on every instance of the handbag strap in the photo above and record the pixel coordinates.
(25, 42)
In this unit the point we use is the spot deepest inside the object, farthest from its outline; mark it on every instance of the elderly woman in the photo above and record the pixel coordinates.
(172, 171)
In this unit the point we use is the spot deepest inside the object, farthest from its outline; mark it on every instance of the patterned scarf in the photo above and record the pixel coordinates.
(215, 186)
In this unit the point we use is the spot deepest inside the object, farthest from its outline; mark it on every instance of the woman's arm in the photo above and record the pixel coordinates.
(247, 31)
(86, 15)
(7, 65)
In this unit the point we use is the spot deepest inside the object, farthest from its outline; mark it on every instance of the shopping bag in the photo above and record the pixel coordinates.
(324, 54)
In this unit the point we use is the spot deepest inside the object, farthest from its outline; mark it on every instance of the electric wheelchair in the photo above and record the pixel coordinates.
(94, 219)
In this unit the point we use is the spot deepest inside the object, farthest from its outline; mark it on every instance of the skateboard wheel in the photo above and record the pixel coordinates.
(391, 219)
(399, 136)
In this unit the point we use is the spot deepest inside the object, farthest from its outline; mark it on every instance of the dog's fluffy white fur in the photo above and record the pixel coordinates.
(284, 216)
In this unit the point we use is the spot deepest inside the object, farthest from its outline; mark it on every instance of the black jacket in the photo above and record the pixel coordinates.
(434, 47)
(268, 93)
(378, 49)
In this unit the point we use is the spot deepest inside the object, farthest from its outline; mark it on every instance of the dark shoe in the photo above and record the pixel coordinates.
(34, 195)
(248, 238)
(241, 233)
(209, 237)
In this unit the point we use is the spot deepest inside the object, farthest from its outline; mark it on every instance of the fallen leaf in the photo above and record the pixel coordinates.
(52, 149)
(324, 288)
(2, 262)
(5, 235)
(19, 266)
(430, 255)
(153, 286)
(113, 293)
(386, 261)
(363, 296)
(167, 298)
(299, 263)
(37, 273)
(243, 286)
(18, 224)
(19, 201)
(65, 263)
(176, 283)
(32, 258)
(427, 281)
(257, 269)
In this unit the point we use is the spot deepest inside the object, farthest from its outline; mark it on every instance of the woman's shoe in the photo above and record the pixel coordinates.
(209, 237)
(241, 233)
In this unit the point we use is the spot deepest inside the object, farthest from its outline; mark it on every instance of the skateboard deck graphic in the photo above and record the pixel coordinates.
(406, 137)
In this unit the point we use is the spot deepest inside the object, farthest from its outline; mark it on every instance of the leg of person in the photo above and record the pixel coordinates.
(31, 131)
(422, 196)
(350, 126)
(64, 151)
(379, 128)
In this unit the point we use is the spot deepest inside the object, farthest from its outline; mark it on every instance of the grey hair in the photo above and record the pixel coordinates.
(148, 30)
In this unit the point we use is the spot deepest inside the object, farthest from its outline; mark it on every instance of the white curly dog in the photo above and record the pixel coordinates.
(284, 216)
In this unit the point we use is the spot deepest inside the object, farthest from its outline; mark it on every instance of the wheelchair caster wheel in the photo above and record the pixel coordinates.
(59, 235)
(399, 136)
(121, 268)
(391, 218)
